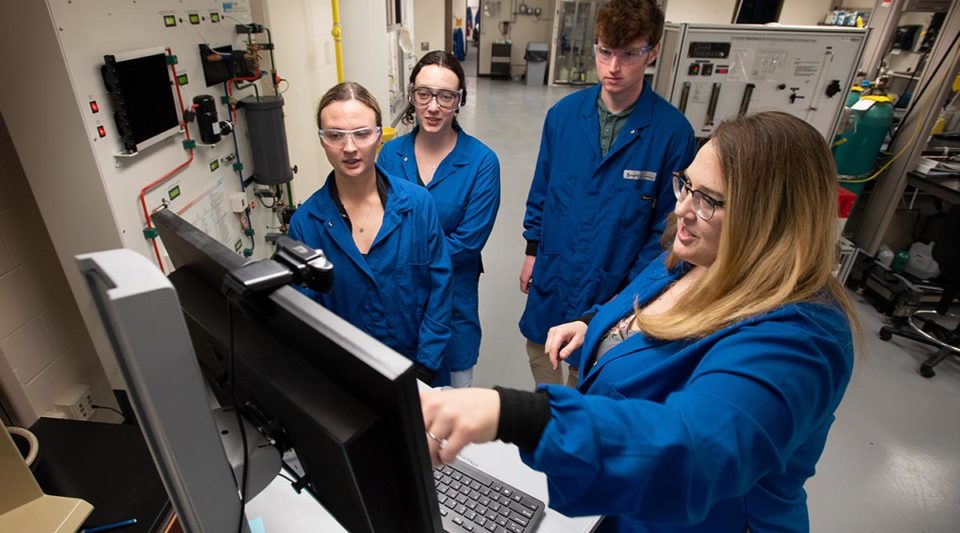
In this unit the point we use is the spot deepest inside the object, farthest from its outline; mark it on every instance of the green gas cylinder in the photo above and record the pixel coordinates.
(856, 92)
(856, 151)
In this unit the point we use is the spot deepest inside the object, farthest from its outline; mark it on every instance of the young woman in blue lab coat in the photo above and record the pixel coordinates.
(391, 272)
(463, 176)
(710, 382)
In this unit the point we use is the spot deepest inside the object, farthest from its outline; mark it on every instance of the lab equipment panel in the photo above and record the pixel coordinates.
(716, 72)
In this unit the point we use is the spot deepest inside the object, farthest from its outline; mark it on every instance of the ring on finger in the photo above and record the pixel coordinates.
(440, 442)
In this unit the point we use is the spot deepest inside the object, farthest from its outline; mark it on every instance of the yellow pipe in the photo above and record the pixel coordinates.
(337, 39)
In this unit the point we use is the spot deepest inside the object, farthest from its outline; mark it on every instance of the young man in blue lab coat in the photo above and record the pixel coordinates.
(601, 190)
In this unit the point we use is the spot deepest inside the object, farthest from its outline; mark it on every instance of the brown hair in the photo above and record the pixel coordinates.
(778, 244)
(441, 59)
(621, 22)
(349, 90)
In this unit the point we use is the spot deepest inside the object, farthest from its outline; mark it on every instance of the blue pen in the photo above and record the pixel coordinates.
(113, 525)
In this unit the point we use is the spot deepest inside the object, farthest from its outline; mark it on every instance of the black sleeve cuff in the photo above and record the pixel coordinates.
(587, 317)
(424, 374)
(523, 417)
(532, 248)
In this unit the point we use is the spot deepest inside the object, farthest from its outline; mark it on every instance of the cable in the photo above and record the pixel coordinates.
(236, 410)
(31, 439)
(110, 409)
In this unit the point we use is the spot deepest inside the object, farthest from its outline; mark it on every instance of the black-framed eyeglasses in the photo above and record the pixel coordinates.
(703, 204)
(446, 99)
(627, 56)
(362, 137)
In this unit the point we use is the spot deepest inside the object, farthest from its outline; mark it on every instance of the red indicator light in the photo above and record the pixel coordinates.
(94, 106)
(101, 131)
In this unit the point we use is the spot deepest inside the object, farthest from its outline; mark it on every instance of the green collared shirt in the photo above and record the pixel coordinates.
(610, 124)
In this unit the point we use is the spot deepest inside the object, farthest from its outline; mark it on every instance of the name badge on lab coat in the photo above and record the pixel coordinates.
(645, 175)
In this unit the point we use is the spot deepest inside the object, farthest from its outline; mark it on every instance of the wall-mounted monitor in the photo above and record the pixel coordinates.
(141, 90)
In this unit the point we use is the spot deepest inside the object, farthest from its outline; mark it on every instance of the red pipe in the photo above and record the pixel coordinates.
(168, 175)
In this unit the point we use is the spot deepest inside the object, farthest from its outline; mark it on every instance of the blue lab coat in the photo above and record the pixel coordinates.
(711, 435)
(466, 189)
(598, 220)
(400, 292)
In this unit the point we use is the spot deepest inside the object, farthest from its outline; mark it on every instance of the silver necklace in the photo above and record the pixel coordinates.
(365, 219)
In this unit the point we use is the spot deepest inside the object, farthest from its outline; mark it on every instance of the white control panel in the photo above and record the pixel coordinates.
(715, 72)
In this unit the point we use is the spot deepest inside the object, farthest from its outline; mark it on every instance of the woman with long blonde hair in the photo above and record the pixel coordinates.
(708, 385)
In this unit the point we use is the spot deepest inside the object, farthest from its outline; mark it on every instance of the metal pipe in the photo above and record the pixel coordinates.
(337, 33)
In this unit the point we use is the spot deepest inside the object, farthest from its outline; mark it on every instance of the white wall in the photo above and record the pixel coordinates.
(44, 346)
(524, 29)
(428, 24)
(704, 11)
(305, 56)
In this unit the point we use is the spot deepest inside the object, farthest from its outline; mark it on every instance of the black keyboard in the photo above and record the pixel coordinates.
(472, 501)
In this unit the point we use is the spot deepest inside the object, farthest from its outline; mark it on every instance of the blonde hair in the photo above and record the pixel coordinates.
(778, 244)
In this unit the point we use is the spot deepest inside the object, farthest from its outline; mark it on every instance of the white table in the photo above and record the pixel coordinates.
(283, 510)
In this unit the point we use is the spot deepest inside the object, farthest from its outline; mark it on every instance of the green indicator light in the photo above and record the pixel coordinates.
(194, 18)
(174, 193)
(214, 165)
(181, 79)
(169, 21)
(238, 245)
(214, 17)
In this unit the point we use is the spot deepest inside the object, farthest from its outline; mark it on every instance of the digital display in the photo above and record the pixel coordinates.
(194, 18)
(144, 107)
(174, 193)
(181, 79)
(708, 50)
(214, 17)
(169, 21)
(214, 165)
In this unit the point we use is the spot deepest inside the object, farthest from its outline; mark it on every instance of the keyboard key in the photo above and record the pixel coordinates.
(444, 511)
(470, 515)
(496, 486)
(450, 503)
(474, 485)
(494, 506)
(481, 510)
(521, 510)
(520, 519)
(462, 498)
(457, 520)
(472, 504)
(490, 526)
(442, 498)
(451, 493)
(468, 526)
(485, 491)
(459, 509)
(516, 497)
(514, 528)
(474, 495)
(484, 501)
(442, 488)
(529, 504)
(502, 521)
(456, 485)
(507, 492)
(456, 475)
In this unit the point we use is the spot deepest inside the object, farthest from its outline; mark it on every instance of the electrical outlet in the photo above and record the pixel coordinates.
(76, 403)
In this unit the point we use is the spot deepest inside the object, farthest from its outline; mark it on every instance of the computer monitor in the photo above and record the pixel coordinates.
(347, 404)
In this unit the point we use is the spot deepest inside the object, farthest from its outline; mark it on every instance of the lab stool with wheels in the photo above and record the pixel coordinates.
(925, 325)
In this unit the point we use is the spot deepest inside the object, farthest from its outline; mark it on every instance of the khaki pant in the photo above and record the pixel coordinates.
(543, 372)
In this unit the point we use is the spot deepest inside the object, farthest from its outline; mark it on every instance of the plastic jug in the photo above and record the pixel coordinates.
(921, 263)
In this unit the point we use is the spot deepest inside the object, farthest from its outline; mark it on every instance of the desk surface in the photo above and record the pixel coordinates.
(946, 187)
(283, 510)
(108, 465)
